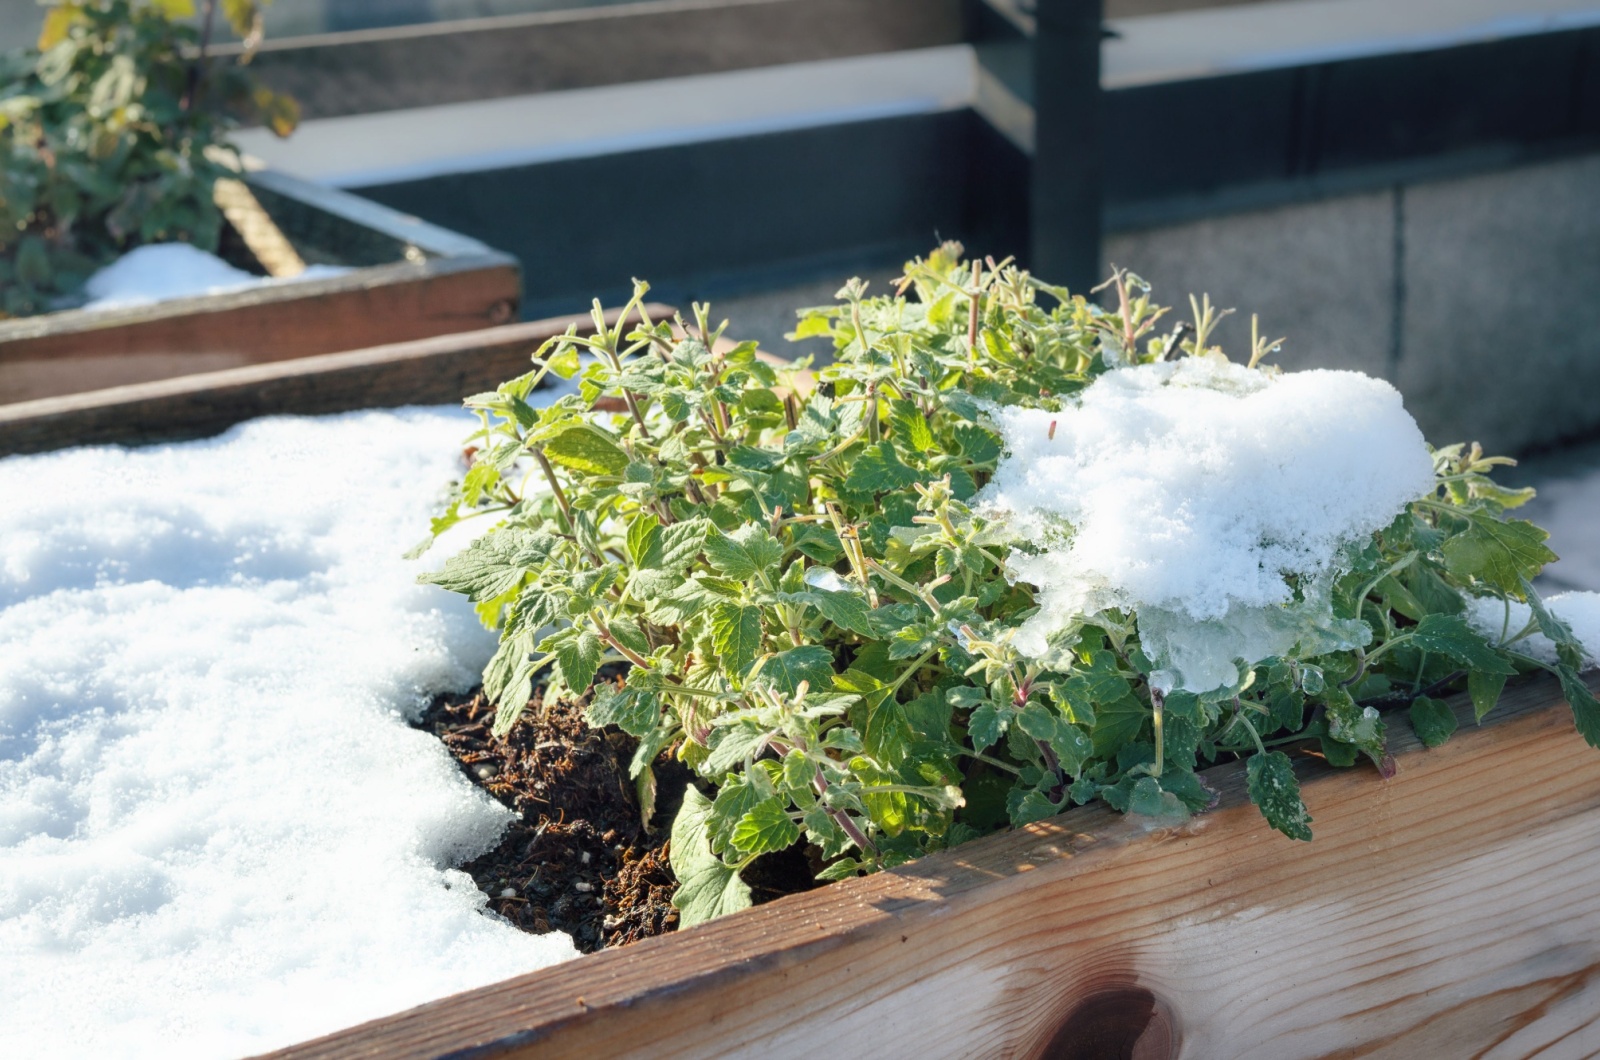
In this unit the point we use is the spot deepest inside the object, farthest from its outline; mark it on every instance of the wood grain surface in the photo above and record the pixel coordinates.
(1451, 911)
(78, 350)
(427, 371)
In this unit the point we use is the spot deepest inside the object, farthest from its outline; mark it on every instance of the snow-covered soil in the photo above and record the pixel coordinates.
(217, 832)
(160, 271)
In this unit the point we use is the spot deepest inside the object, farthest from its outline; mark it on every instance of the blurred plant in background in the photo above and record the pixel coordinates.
(113, 134)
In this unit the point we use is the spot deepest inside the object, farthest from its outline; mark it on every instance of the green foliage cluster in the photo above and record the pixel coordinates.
(113, 132)
(815, 619)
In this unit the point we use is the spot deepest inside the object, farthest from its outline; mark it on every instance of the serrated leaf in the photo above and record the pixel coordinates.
(493, 565)
(1501, 553)
(810, 663)
(1433, 720)
(910, 426)
(585, 447)
(644, 540)
(578, 659)
(736, 634)
(1485, 691)
(887, 734)
(879, 469)
(1276, 792)
(707, 886)
(1451, 636)
(1585, 709)
(765, 829)
(986, 725)
(1067, 741)
(632, 711)
(846, 610)
(1149, 799)
(745, 553)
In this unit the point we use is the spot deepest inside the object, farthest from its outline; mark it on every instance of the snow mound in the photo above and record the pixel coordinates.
(1189, 492)
(218, 835)
(1501, 620)
(158, 271)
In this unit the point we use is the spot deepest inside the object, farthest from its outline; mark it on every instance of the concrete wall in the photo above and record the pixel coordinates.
(1478, 297)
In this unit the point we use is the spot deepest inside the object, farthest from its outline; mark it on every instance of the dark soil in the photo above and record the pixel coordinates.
(578, 859)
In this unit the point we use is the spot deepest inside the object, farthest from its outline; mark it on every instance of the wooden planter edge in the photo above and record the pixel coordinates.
(424, 371)
(1093, 923)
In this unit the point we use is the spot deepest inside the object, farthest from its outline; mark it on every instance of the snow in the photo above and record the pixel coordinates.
(1501, 621)
(1191, 493)
(218, 835)
(158, 271)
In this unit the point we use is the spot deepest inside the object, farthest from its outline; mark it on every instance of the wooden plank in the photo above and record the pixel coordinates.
(1453, 910)
(426, 371)
(360, 71)
(77, 350)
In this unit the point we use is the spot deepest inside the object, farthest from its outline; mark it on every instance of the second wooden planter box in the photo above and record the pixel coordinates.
(408, 280)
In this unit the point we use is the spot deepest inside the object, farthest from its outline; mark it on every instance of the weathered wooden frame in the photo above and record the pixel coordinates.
(439, 370)
(1452, 910)
(413, 280)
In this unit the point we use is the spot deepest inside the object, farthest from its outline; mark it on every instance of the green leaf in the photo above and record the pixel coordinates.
(846, 610)
(1068, 742)
(1433, 720)
(765, 828)
(1118, 723)
(634, 712)
(1450, 635)
(730, 745)
(744, 554)
(811, 663)
(910, 426)
(681, 542)
(736, 634)
(585, 447)
(644, 541)
(1585, 709)
(1276, 792)
(1485, 691)
(878, 469)
(1499, 552)
(707, 886)
(1149, 799)
(579, 658)
(986, 725)
(887, 734)
(494, 564)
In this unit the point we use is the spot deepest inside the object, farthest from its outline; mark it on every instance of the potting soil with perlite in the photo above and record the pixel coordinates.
(218, 834)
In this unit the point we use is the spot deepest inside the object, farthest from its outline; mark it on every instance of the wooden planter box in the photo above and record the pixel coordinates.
(410, 280)
(1451, 911)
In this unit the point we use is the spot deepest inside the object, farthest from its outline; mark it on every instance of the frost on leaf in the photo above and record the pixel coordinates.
(1275, 790)
(1215, 502)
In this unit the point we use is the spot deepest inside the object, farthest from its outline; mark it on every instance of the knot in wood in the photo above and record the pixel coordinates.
(1116, 1023)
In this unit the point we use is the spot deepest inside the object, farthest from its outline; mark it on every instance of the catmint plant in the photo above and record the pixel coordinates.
(791, 581)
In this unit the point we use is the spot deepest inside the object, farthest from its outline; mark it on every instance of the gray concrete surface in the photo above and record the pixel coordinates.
(1476, 296)
(1321, 274)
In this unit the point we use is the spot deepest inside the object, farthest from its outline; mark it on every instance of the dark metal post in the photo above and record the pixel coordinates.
(1067, 185)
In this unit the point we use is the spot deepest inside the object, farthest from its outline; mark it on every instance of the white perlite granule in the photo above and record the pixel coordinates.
(1189, 491)
(218, 835)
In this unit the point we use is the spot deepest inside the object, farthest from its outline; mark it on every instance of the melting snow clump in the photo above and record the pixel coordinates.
(218, 833)
(1190, 493)
(158, 271)
(1500, 621)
